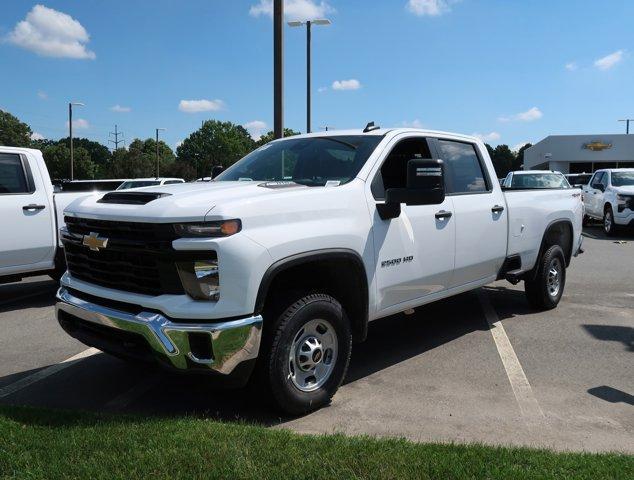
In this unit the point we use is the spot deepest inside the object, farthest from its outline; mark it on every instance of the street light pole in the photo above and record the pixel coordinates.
(70, 135)
(157, 150)
(309, 24)
(627, 124)
(278, 68)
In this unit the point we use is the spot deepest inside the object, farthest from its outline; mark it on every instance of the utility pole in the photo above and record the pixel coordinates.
(70, 134)
(116, 140)
(157, 150)
(627, 124)
(278, 68)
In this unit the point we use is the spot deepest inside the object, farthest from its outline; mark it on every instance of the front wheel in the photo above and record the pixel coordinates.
(546, 289)
(306, 356)
(609, 227)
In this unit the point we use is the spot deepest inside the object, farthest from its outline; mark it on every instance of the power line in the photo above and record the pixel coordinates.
(116, 140)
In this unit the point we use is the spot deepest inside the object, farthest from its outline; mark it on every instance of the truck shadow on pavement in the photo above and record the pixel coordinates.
(103, 383)
(21, 295)
(612, 395)
(596, 233)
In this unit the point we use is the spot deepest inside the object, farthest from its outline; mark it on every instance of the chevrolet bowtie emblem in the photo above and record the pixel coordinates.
(94, 242)
(597, 146)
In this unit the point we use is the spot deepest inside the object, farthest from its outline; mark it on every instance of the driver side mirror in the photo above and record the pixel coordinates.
(425, 186)
(217, 170)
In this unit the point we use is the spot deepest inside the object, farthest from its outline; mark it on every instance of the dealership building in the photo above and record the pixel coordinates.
(580, 153)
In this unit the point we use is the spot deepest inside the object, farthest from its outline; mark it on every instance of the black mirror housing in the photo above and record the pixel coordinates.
(217, 170)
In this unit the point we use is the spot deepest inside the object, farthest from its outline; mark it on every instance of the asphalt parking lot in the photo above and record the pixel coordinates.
(480, 367)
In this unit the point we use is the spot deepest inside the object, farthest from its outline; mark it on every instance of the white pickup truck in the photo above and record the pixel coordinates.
(30, 215)
(275, 268)
(609, 196)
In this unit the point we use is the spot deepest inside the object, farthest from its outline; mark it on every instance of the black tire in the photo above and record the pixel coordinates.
(609, 227)
(60, 265)
(540, 291)
(274, 368)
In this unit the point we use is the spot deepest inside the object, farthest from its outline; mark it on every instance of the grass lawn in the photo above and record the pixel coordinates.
(63, 445)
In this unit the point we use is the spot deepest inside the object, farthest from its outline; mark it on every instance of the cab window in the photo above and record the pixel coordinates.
(463, 169)
(393, 172)
(12, 176)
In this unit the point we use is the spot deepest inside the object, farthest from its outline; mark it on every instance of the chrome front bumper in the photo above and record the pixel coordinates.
(230, 343)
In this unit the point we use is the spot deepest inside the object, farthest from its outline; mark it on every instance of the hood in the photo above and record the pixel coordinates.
(626, 190)
(184, 202)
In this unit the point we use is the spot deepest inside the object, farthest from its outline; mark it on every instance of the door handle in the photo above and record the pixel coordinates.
(497, 209)
(33, 206)
(443, 214)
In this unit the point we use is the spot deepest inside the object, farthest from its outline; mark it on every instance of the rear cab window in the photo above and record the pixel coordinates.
(464, 171)
(13, 175)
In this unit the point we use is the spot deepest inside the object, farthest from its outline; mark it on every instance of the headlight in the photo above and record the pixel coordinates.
(221, 228)
(200, 279)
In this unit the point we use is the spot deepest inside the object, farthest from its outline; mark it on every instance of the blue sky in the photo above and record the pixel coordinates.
(510, 70)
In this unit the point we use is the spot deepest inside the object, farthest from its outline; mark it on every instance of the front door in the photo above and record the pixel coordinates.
(414, 252)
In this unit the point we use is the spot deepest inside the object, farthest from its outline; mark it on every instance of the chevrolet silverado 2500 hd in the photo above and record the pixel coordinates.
(30, 214)
(271, 271)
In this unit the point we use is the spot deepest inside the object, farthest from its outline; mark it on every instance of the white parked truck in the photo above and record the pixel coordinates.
(609, 196)
(30, 215)
(273, 270)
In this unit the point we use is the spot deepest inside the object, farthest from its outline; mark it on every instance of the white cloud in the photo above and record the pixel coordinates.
(195, 106)
(413, 124)
(609, 61)
(37, 136)
(42, 95)
(529, 115)
(572, 66)
(293, 9)
(352, 84)
(79, 124)
(487, 137)
(322, 89)
(432, 8)
(50, 33)
(256, 128)
(120, 109)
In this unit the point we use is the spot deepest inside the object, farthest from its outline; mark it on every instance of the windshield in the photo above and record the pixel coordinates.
(539, 180)
(622, 179)
(138, 183)
(311, 161)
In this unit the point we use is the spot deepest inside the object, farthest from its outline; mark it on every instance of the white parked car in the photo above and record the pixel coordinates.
(258, 277)
(148, 182)
(610, 197)
(30, 214)
(523, 179)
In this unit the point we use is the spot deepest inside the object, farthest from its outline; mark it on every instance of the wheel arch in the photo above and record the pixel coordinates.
(338, 272)
(558, 232)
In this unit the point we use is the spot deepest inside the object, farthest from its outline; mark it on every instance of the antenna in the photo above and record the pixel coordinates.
(370, 126)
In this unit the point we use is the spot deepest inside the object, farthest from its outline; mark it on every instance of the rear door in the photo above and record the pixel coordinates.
(27, 219)
(414, 252)
(479, 208)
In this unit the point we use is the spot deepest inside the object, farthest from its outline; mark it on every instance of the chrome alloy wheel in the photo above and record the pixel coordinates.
(313, 355)
(553, 280)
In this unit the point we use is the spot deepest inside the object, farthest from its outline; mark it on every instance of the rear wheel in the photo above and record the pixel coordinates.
(546, 289)
(306, 355)
(609, 227)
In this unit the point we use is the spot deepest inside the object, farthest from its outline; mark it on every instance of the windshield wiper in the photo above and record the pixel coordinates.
(343, 142)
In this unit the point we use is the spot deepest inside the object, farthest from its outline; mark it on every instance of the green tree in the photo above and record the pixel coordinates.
(181, 169)
(13, 132)
(215, 143)
(99, 154)
(264, 139)
(519, 158)
(139, 160)
(57, 159)
(503, 160)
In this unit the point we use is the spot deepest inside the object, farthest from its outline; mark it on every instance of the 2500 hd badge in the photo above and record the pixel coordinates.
(396, 261)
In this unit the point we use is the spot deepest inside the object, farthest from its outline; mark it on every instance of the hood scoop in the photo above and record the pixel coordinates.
(131, 198)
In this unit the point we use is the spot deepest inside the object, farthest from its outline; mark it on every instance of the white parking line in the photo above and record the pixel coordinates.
(519, 383)
(122, 401)
(46, 372)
